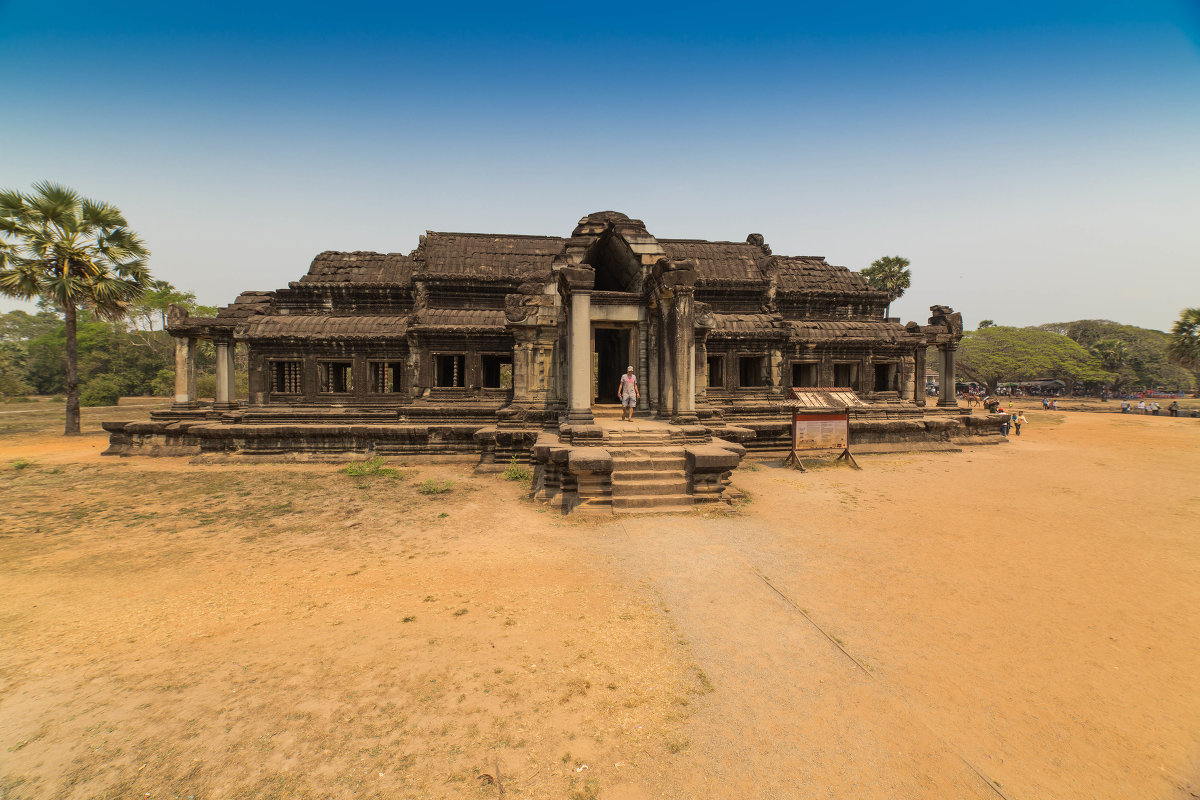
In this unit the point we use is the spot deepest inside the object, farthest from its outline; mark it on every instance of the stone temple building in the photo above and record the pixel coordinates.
(507, 345)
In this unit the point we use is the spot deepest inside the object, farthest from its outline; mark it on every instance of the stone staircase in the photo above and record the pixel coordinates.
(649, 472)
(639, 467)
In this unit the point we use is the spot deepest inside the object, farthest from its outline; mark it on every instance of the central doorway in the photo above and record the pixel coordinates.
(609, 362)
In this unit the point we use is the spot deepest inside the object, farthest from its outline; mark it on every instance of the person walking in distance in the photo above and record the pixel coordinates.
(628, 394)
(1019, 421)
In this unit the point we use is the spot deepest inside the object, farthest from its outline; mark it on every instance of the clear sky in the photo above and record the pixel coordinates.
(1036, 161)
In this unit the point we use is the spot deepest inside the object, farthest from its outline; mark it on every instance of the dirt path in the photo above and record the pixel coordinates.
(1030, 607)
(1024, 612)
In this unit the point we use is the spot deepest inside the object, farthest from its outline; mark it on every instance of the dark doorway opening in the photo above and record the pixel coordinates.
(804, 375)
(883, 377)
(612, 358)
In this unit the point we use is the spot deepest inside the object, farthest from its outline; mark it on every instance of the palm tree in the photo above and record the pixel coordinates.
(1184, 346)
(889, 274)
(74, 253)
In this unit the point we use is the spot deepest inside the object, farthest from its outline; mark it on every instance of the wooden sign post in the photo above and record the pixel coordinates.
(820, 431)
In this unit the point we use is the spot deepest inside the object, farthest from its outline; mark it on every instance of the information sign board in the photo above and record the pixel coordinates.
(814, 431)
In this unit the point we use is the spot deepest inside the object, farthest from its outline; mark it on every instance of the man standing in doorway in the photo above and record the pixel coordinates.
(628, 394)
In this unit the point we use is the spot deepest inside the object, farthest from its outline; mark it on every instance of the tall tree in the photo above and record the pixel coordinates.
(1184, 346)
(889, 274)
(75, 253)
(1001, 353)
(1113, 353)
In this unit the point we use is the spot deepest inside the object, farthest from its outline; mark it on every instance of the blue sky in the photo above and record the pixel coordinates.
(1036, 161)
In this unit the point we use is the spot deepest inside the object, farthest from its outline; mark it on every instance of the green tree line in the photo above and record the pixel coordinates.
(131, 356)
(1088, 351)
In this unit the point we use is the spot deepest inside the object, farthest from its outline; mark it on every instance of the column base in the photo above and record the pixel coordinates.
(234, 406)
(190, 405)
(580, 417)
(947, 403)
(689, 418)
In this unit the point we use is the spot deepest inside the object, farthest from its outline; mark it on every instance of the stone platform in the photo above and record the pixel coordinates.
(642, 466)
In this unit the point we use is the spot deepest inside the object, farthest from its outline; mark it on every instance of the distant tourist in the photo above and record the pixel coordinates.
(1173, 409)
(628, 394)
(1124, 406)
(1154, 408)
(1004, 423)
(1045, 404)
(1141, 406)
(1019, 421)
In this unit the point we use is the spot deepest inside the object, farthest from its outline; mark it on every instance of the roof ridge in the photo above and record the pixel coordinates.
(498, 235)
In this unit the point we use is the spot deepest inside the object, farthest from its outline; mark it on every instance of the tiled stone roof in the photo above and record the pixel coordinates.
(246, 305)
(467, 319)
(485, 256)
(881, 331)
(743, 323)
(814, 274)
(326, 328)
(359, 267)
(718, 261)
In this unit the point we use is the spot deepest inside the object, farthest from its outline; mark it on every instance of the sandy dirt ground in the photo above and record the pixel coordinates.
(1012, 621)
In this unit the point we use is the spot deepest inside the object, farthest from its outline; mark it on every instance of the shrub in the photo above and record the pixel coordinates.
(430, 486)
(22, 463)
(516, 471)
(372, 466)
(103, 390)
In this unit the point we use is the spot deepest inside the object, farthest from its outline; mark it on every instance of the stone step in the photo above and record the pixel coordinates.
(668, 509)
(642, 502)
(647, 463)
(656, 488)
(626, 475)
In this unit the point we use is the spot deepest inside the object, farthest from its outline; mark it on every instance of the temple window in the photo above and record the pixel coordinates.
(716, 372)
(285, 377)
(335, 377)
(752, 371)
(845, 375)
(497, 371)
(886, 377)
(449, 371)
(385, 377)
(804, 374)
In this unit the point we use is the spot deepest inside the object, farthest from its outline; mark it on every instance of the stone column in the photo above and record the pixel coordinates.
(643, 364)
(579, 407)
(947, 397)
(666, 370)
(654, 377)
(919, 394)
(683, 356)
(185, 373)
(576, 283)
(226, 399)
(701, 369)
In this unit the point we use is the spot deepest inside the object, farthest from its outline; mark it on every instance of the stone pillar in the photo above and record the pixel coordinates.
(919, 369)
(682, 343)
(185, 373)
(654, 379)
(643, 364)
(226, 399)
(576, 283)
(947, 397)
(579, 379)
(666, 370)
(701, 369)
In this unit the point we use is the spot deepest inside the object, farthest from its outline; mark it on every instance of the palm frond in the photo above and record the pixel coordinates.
(54, 203)
(20, 281)
(12, 203)
(99, 214)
